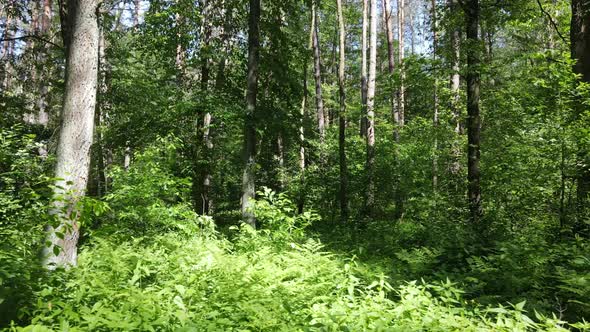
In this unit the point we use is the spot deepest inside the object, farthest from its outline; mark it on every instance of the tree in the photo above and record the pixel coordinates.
(317, 71)
(455, 85)
(342, 116)
(75, 138)
(472, 12)
(401, 94)
(435, 117)
(248, 178)
(388, 22)
(580, 51)
(363, 124)
(370, 195)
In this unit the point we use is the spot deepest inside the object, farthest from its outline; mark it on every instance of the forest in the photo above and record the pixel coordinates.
(294, 165)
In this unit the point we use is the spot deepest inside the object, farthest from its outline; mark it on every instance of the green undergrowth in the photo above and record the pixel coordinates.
(148, 262)
(175, 282)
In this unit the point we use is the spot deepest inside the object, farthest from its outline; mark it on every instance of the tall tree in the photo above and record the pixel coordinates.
(44, 30)
(580, 51)
(472, 15)
(435, 117)
(370, 196)
(75, 138)
(401, 94)
(455, 85)
(363, 124)
(248, 178)
(317, 71)
(342, 116)
(388, 22)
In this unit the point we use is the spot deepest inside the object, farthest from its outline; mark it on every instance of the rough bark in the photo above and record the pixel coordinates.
(580, 51)
(248, 178)
(472, 13)
(363, 124)
(342, 117)
(317, 73)
(370, 195)
(76, 134)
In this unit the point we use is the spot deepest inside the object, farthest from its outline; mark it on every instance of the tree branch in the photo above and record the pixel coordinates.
(33, 37)
(552, 22)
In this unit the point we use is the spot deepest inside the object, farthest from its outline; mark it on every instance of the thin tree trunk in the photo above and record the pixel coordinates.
(387, 13)
(281, 161)
(75, 139)
(8, 49)
(302, 163)
(455, 85)
(401, 103)
(301, 200)
(317, 72)
(370, 198)
(248, 179)
(363, 124)
(136, 8)
(180, 56)
(207, 177)
(44, 30)
(472, 12)
(342, 118)
(435, 118)
(206, 36)
(97, 180)
(412, 32)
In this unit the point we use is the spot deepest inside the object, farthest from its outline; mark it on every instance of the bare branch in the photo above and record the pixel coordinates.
(33, 37)
(552, 22)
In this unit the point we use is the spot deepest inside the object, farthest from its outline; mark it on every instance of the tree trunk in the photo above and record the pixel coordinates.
(204, 177)
(363, 124)
(342, 118)
(97, 180)
(8, 49)
(455, 85)
(248, 179)
(435, 118)
(44, 30)
(370, 199)
(75, 139)
(317, 73)
(136, 8)
(206, 36)
(472, 12)
(580, 51)
(401, 94)
(301, 199)
(387, 13)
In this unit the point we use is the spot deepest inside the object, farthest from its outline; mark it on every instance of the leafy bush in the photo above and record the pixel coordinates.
(277, 216)
(23, 199)
(148, 198)
(172, 281)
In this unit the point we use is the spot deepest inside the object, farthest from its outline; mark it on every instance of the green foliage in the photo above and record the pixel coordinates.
(171, 282)
(277, 216)
(147, 198)
(24, 197)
